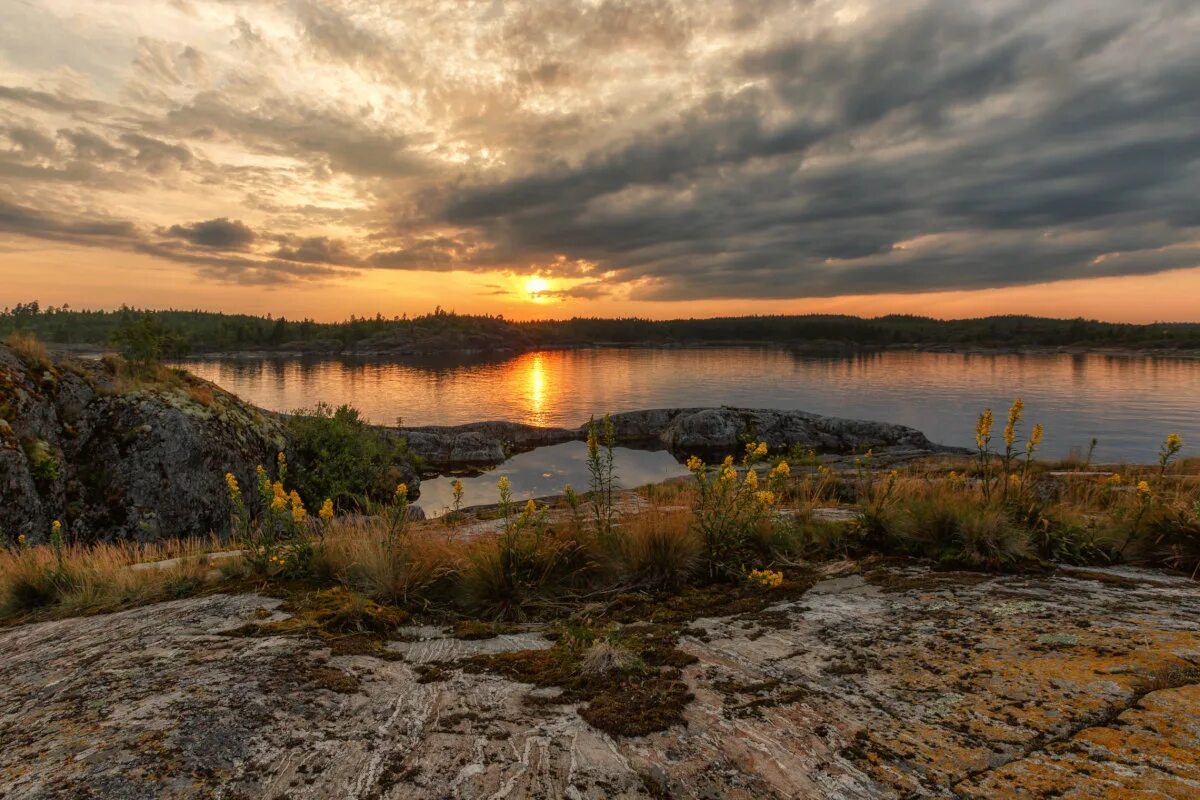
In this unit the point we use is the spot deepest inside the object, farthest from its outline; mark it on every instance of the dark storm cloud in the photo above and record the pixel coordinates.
(316, 250)
(27, 221)
(890, 138)
(218, 234)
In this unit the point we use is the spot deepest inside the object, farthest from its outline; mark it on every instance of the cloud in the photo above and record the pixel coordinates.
(669, 149)
(217, 234)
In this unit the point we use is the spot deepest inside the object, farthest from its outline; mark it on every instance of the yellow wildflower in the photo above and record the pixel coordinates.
(503, 483)
(326, 512)
(401, 494)
(1014, 416)
(1014, 480)
(22, 541)
(530, 507)
(279, 501)
(1035, 438)
(751, 479)
(1114, 479)
(766, 578)
(782, 469)
(298, 512)
(1143, 491)
(695, 464)
(56, 527)
(728, 473)
(983, 429)
(765, 498)
(230, 481)
(728, 462)
(457, 486)
(1174, 441)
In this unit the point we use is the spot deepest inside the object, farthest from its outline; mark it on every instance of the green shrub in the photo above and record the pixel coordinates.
(43, 466)
(336, 454)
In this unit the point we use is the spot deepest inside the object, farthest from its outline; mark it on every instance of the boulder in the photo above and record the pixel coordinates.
(116, 461)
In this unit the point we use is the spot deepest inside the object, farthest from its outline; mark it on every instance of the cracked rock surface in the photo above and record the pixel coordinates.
(880, 682)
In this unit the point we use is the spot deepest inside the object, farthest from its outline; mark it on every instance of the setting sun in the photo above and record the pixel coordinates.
(534, 287)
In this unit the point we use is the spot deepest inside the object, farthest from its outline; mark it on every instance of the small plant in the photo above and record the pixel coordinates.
(1169, 449)
(983, 440)
(457, 494)
(43, 465)
(765, 578)
(728, 509)
(601, 440)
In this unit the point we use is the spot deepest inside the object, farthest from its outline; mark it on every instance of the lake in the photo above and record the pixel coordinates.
(1127, 403)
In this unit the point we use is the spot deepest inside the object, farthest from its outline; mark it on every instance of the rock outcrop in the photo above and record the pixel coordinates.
(119, 461)
(478, 444)
(683, 431)
(878, 683)
(725, 430)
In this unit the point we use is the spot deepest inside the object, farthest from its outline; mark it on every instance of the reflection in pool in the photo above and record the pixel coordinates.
(545, 471)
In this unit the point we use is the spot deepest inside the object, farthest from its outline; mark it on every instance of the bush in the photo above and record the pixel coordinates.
(336, 454)
(143, 342)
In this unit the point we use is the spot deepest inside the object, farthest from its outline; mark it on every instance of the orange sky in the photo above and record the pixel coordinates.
(667, 158)
(85, 278)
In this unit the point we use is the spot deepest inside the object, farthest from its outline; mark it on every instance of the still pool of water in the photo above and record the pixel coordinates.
(545, 471)
(1127, 403)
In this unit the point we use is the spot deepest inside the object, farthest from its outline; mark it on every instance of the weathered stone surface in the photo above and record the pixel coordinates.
(882, 683)
(121, 463)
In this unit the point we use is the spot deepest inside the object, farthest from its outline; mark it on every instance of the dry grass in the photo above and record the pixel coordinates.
(659, 548)
(414, 567)
(81, 580)
(29, 350)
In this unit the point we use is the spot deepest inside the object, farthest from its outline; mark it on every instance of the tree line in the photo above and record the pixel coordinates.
(175, 332)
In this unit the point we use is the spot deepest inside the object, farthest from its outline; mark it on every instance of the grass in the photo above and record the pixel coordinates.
(82, 580)
(29, 349)
(545, 565)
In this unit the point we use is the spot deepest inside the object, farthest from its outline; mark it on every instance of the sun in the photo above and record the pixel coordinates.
(534, 288)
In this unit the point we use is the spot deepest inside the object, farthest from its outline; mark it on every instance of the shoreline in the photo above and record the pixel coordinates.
(814, 349)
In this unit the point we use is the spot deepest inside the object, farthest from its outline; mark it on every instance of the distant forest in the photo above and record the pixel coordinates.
(206, 331)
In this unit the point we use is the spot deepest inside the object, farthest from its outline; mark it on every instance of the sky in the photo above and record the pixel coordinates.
(658, 158)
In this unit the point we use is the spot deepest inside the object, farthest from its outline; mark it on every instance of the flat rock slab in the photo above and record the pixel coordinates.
(876, 684)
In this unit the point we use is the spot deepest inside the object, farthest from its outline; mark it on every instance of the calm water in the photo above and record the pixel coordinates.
(1129, 404)
(545, 471)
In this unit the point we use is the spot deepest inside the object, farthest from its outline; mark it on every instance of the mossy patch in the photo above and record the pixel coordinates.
(645, 694)
(348, 621)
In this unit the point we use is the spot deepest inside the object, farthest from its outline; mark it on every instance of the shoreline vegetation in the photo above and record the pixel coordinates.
(207, 334)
